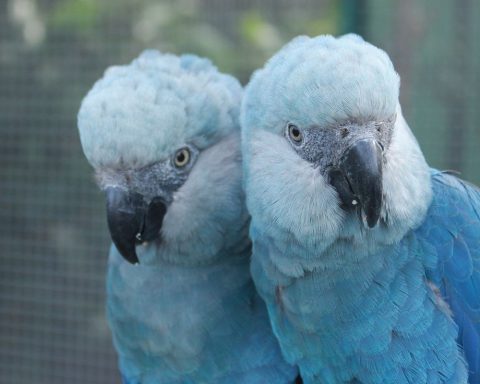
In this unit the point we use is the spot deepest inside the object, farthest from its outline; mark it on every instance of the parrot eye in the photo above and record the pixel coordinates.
(182, 157)
(295, 134)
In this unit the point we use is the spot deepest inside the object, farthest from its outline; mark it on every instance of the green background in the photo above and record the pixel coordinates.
(53, 235)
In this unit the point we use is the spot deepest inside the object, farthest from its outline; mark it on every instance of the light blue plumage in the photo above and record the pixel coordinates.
(368, 260)
(163, 136)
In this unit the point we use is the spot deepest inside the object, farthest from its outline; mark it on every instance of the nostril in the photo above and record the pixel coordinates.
(344, 132)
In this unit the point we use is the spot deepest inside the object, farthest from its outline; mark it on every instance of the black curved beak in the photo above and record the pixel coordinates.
(132, 221)
(359, 179)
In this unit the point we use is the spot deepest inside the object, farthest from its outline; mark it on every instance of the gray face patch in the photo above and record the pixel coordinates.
(160, 179)
(325, 146)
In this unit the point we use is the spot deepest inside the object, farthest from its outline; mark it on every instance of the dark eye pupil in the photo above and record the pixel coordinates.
(181, 157)
(295, 132)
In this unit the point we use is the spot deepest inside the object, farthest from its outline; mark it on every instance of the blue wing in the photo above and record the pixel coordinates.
(450, 243)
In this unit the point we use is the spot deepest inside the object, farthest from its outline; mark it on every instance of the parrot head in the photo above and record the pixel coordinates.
(328, 109)
(160, 135)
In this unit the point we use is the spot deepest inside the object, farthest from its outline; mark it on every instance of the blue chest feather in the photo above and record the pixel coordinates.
(387, 314)
(174, 324)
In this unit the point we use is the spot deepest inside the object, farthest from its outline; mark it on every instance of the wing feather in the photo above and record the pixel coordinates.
(450, 242)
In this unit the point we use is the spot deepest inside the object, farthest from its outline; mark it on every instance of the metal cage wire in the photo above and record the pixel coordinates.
(53, 235)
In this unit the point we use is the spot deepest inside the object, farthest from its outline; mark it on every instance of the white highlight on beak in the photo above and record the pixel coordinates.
(354, 202)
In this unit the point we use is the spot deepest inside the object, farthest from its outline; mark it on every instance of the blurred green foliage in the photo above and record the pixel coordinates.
(435, 49)
(74, 15)
(237, 35)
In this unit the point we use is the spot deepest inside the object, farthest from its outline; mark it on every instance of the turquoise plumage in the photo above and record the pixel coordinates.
(450, 245)
(163, 136)
(366, 258)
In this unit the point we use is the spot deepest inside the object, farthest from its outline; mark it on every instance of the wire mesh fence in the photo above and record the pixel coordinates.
(53, 236)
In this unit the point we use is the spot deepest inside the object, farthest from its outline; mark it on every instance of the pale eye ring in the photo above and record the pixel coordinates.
(295, 133)
(181, 157)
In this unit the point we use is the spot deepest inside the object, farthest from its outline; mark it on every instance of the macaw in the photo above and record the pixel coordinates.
(367, 258)
(163, 137)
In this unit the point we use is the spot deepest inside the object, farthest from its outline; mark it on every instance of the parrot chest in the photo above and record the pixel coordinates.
(175, 322)
(371, 318)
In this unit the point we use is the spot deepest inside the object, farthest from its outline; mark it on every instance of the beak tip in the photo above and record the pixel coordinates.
(372, 223)
(128, 255)
(134, 260)
(369, 220)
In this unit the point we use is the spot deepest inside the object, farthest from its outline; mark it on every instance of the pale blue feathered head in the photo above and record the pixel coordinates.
(150, 102)
(322, 80)
(324, 142)
(162, 135)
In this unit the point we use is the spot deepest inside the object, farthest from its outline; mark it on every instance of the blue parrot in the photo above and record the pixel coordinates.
(368, 260)
(163, 137)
